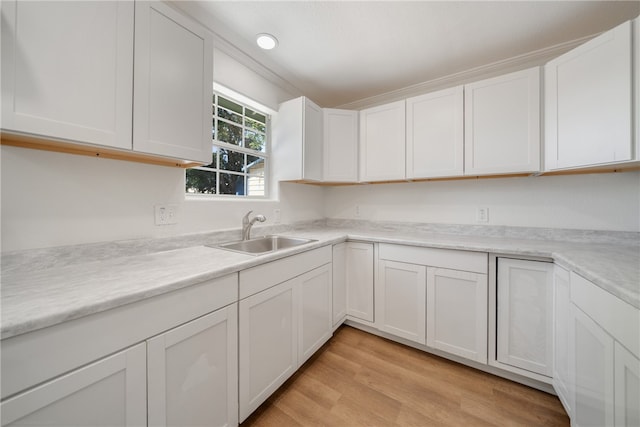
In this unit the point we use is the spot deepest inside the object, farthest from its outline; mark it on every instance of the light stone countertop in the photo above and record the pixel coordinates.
(41, 288)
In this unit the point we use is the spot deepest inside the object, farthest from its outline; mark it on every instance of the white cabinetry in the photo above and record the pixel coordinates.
(561, 368)
(173, 84)
(359, 259)
(435, 134)
(591, 358)
(193, 372)
(588, 103)
(626, 394)
(339, 283)
(68, 74)
(457, 312)
(315, 311)
(111, 391)
(284, 316)
(382, 142)
(447, 289)
(502, 124)
(604, 344)
(297, 140)
(67, 70)
(401, 299)
(267, 345)
(524, 299)
(340, 145)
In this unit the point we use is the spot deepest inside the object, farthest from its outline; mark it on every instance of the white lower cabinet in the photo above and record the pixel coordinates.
(524, 335)
(268, 344)
(339, 283)
(315, 311)
(626, 394)
(284, 317)
(359, 261)
(561, 302)
(457, 312)
(401, 300)
(193, 372)
(591, 369)
(111, 391)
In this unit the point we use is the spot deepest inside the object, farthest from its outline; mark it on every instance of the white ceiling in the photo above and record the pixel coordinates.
(337, 52)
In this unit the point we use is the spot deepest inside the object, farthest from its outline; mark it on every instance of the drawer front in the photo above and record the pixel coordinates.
(261, 277)
(477, 262)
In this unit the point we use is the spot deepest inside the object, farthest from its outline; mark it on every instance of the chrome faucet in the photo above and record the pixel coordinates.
(246, 224)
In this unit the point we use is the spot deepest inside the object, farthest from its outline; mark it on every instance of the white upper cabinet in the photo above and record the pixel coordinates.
(588, 103)
(502, 124)
(340, 145)
(174, 84)
(68, 73)
(297, 140)
(67, 70)
(382, 142)
(435, 134)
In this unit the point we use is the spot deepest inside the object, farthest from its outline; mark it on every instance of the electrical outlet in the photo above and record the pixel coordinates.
(482, 215)
(277, 216)
(166, 214)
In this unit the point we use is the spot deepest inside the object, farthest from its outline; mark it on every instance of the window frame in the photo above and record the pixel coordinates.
(245, 103)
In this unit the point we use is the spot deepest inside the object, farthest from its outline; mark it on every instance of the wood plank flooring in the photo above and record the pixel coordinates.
(359, 379)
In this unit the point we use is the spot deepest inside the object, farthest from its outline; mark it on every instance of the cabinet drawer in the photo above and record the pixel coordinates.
(476, 262)
(620, 319)
(261, 277)
(37, 356)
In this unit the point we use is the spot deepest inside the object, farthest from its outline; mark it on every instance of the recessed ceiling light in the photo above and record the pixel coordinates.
(266, 41)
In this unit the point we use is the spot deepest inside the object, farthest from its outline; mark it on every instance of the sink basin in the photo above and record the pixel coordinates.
(262, 245)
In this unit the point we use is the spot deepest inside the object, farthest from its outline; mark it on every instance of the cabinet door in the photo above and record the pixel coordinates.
(174, 84)
(312, 148)
(591, 368)
(111, 391)
(457, 312)
(561, 304)
(268, 344)
(588, 103)
(360, 280)
(193, 372)
(339, 266)
(435, 134)
(340, 145)
(382, 142)
(67, 70)
(315, 326)
(525, 317)
(502, 124)
(401, 300)
(627, 387)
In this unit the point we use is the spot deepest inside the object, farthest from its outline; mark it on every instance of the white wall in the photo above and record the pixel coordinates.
(597, 201)
(52, 199)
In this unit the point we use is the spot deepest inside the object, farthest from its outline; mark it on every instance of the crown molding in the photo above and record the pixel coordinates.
(516, 63)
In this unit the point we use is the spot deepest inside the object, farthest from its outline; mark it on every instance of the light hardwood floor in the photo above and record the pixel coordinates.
(358, 379)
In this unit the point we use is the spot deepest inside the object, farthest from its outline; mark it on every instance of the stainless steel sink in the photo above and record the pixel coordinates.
(262, 245)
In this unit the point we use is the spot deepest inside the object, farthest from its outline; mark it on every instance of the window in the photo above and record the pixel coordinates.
(239, 153)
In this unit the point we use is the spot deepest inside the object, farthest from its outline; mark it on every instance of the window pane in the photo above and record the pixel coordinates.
(229, 110)
(229, 115)
(252, 124)
(254, 140)
(255, 185)
(229, 133)
(213, 128)
(231, 160)
(201, 181)
(232, 184)
(255, 116)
